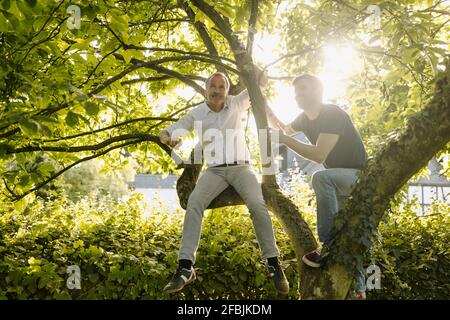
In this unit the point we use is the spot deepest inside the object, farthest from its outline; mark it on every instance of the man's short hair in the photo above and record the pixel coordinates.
(221, 74)
(308, 77)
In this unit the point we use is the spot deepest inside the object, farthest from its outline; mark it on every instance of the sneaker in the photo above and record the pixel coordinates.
(360, 296)
(279, 279)
(312, 258)
(181, 278)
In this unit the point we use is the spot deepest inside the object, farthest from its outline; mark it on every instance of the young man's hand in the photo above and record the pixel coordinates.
(278, 125)
(277, 136)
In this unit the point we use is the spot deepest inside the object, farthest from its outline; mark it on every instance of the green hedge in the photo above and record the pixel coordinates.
(127, 254)
(414, 254)
(130, 253)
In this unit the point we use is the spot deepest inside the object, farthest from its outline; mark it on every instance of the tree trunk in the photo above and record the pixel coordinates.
(425, 134)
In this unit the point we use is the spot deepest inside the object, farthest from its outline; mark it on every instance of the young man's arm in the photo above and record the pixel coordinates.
(273, 119)
(318, 153)
(278, 124)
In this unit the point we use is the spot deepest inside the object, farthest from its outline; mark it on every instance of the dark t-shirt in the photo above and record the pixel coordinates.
(349, 150)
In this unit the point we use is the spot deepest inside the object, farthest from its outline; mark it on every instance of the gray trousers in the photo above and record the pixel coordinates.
(210, 184)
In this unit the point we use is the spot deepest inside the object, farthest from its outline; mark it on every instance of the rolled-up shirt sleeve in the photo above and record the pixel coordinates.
(241, 101)
(182, 126)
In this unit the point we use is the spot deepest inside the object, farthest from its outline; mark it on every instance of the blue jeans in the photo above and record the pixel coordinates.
(332, 188)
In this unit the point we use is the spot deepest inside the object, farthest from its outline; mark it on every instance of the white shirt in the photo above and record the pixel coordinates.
(221, 134)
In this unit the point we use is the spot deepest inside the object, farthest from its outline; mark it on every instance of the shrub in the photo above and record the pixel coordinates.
(413, 254)
(127, 253)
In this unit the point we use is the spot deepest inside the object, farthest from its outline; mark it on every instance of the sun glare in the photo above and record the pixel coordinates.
(340, 62)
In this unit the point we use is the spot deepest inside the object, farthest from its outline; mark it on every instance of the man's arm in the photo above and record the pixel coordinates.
(242, 100)
(318, 153)
(171, 134)
(273, 119)
(165, 137)
(278, 124)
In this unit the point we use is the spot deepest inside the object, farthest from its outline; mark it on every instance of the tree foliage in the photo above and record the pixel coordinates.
(62, 86)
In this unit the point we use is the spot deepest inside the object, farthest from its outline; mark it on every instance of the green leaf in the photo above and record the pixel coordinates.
(243, 275)
(46, 119)
(6, 4)
(13, 20)
(3, 148)
(90, 11)
(20, 205)
(127, 55)
(46, 168)
(3, 23)
(29, 126)
(93, 277)
(72, 119)
(26, 11)
(23, 180)
(91, 108)
(31, 3)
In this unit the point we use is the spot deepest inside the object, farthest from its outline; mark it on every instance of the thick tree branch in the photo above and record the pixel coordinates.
(98, 146)
(111, 127)
(56, 175)
(252, 25)
(191, 53)
(161, 78)
(185, 79)
(150, 22)
(223, 24)
(51, 110)
(202, 32)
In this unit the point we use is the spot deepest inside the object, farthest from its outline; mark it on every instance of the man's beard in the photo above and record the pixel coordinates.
(216, 97)
(302, 104)
(305, 104)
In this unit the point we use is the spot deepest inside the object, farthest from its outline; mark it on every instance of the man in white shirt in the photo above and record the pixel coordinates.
(218, 125)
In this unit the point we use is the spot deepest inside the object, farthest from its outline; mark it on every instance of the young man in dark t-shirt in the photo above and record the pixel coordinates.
(336, 144)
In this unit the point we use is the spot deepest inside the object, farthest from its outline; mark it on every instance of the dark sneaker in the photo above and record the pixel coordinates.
(181, 278)
(279, 279)
(312, 258)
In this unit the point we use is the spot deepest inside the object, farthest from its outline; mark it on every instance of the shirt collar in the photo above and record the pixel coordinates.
(208, 110)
